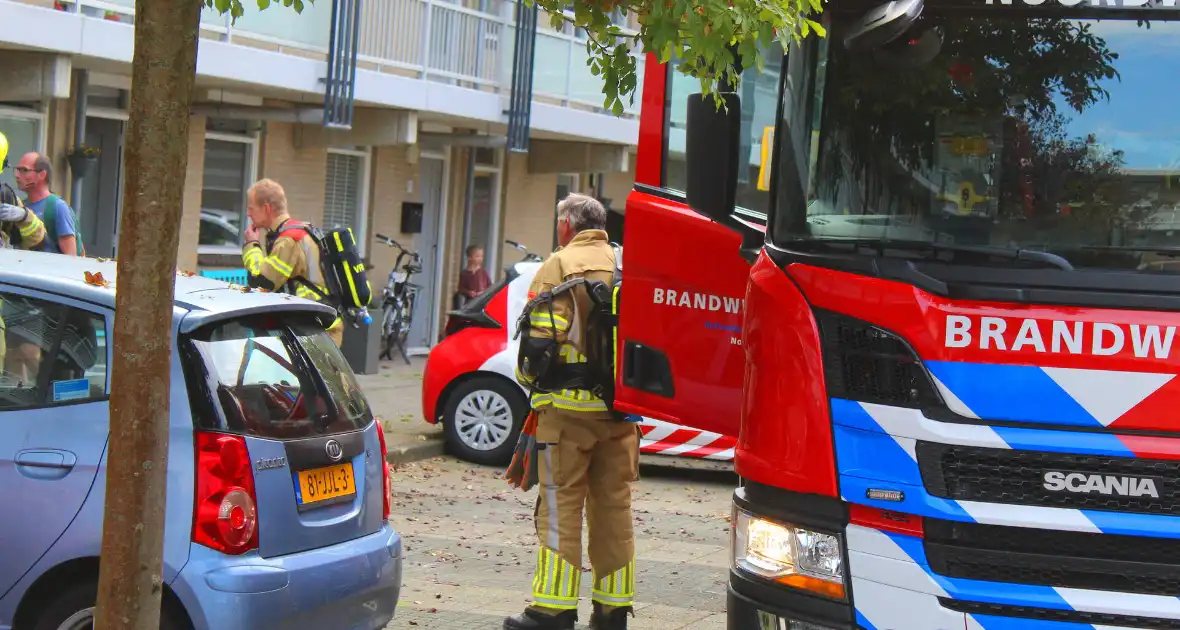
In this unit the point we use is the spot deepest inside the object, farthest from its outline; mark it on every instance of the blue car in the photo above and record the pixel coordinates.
(278, 491)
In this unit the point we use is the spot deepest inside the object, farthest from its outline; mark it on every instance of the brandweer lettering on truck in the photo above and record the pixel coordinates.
(1059, 336)
(700, 301)
(704, 302)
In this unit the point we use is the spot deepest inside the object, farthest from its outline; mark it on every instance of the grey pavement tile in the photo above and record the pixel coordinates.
(470, 545)
(496, 566)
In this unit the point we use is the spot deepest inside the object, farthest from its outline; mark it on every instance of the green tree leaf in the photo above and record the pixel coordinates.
(704, 35)
(235, 9)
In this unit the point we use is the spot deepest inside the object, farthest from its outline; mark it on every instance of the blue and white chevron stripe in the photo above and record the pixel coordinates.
(875, 447)
(1030, 393)
(895, 589)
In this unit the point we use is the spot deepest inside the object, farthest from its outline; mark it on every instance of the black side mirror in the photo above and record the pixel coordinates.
(883, 24)
(712, 137)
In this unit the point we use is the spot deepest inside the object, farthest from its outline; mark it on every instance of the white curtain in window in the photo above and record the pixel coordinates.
(342, 193)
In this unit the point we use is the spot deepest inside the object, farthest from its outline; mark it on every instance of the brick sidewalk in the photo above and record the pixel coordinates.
(395, 393)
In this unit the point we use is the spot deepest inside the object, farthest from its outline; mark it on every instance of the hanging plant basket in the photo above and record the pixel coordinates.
(83, 160)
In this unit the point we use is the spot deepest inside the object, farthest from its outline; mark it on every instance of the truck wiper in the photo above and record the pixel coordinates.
(1149, 249)
(1044, 259)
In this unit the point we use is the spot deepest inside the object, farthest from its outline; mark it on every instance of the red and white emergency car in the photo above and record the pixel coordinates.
(468, 384)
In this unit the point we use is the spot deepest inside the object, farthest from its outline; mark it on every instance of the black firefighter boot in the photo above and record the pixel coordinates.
(610, 618)
(533, 620)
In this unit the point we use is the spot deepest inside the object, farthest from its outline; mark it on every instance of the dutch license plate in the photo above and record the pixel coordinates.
(321, 484)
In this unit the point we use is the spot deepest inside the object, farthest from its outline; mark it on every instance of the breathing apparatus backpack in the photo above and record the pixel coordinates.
(341, 266)
(538, 358)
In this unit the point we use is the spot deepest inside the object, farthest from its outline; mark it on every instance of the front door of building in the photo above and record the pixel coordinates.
(102, 189)
(421, 334)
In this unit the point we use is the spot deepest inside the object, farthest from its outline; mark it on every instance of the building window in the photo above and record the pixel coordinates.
(345, 193)
(25, 132)
(231, 163)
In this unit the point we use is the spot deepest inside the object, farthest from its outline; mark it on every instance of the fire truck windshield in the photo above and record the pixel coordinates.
(992, 128)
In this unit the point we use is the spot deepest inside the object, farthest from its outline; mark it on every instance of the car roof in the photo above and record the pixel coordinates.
(198, 300)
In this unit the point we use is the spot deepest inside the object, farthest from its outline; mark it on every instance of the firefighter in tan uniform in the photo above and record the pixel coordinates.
(19, 229)
(288, 260)
(586, 456)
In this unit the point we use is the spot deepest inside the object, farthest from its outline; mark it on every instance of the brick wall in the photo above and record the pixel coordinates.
(617, 186)
(190, 219)
(529, 209)
(392, 173)
(302, 172)
(58, 140)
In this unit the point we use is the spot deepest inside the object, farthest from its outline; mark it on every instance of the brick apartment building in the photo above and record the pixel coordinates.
(429, 127)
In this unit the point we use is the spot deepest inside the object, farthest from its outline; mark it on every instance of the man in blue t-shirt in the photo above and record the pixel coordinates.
(32, 175)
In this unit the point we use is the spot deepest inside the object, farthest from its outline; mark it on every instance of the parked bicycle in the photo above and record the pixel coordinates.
(398, 299)
(528, 256)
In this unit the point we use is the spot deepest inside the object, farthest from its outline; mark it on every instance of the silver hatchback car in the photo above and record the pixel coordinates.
(278, 489)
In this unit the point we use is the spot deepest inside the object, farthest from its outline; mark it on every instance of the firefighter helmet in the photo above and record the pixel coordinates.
(3, 152)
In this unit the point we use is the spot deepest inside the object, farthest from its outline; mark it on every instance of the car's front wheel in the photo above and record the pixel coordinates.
(482, 418)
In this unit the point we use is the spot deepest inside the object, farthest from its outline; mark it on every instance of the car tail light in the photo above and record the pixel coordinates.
(225, 513)
(386, 482)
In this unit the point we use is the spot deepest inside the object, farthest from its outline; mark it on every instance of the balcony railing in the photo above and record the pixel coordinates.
(467, 43)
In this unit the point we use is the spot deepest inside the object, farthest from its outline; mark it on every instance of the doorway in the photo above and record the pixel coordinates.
(432, 175)
(102, 190)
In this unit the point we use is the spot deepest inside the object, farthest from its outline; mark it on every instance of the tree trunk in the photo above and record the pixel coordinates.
(163, 73)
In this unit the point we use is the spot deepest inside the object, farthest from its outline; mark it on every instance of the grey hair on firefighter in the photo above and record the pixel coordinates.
(582, 212)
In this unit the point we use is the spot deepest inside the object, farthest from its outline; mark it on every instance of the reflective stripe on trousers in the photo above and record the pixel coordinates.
(555, 581)
(616, 589)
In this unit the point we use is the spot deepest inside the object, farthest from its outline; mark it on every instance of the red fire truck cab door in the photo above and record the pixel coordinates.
(680, 317)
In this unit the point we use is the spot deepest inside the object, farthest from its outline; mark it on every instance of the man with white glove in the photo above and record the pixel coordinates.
(20, 228)
(10, 212)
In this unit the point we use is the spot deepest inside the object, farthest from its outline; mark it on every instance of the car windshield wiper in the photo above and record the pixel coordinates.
(1044, 259)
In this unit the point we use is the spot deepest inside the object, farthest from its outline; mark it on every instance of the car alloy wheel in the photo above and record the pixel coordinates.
(483, 420)
(81, 620)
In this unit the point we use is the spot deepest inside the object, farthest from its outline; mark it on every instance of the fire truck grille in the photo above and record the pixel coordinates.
(1068, 616)
(870, 364)
(1021, 555)
(1025, 478)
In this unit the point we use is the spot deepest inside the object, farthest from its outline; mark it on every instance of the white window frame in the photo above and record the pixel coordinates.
(495, 240)
(362, 228)
(251, 177)
(38, 115)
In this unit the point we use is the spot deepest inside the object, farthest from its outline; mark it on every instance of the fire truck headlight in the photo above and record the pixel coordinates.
(790, 555)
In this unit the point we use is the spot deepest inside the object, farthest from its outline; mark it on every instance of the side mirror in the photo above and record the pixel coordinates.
(883, 24)
(712, 137)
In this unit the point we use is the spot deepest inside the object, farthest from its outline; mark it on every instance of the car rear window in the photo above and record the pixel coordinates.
(272, 377)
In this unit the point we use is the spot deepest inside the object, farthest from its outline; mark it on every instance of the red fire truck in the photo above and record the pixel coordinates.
(923, 268)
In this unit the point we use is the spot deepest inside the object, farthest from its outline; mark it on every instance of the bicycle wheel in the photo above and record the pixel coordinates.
(388, 326)
(406, 318)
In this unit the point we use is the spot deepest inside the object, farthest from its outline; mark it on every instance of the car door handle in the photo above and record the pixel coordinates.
(46, 458)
